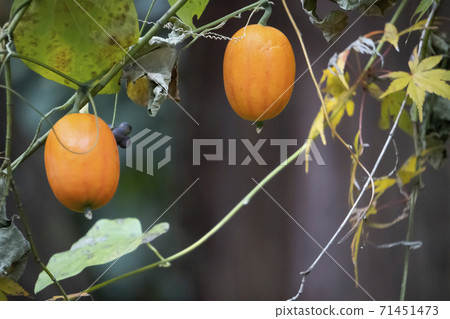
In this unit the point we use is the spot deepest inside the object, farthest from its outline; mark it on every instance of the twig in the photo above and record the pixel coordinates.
(361, 110)
(9, 117)
(409, 244)
(34, 251)
(153, 248)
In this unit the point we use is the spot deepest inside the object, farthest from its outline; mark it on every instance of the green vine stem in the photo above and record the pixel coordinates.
(34, 250)
(423, 45)
(9, 117)
(217, 23)
(153, 248)
(146, 17)
(38, 142)
(260, 3)
(266, 15)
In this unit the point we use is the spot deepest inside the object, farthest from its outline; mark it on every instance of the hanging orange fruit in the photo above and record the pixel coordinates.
(258, 72)
(82, 162)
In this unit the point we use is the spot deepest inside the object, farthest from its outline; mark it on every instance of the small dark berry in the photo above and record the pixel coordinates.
(125, 127)
(125, 142)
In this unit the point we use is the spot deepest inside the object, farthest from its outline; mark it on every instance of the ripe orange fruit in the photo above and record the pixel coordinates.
(258, 72)
(83, 166)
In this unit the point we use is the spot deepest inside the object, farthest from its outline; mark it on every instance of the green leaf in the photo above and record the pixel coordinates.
(106, 241)
(82, 39)
(3, 297)
(439, 44)
(190, 9)
(423, 6)
(11, 287)
(366, 6)
(437, 129)
(331, 26)
(14, 247)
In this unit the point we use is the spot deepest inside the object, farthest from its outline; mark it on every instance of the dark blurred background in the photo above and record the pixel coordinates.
(258, 255)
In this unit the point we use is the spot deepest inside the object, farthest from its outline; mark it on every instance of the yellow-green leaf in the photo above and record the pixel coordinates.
(341, 61)
(3, 297)
(391, 35)
(408, 170)
(416, 27)
(354, 247)
(397, 85)
(443, 75)
(428, 63)
(334, 85)
(434, 86)
(317, 128)
(417, 94)
(12, 288)
(350, 108)
(381, 185)
(375, 90)
(397, 74)
(390, 106)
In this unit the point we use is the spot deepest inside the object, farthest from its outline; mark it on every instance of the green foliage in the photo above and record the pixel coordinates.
(436, 129)
(14, 247)
(82, 41)
(190, 9)
(336, 21)
(106, 241)
(331, 26)
(423, 6)
(436, 125)
(372, 7)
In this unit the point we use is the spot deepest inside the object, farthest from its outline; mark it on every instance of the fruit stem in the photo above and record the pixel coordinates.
(87, 213)
(266, 15)
(259, 126)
